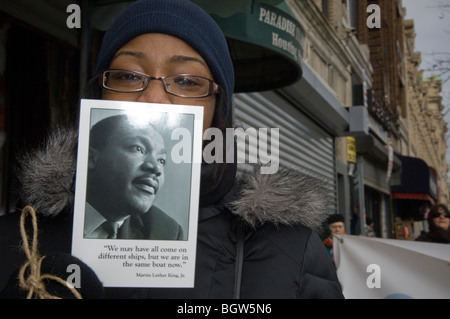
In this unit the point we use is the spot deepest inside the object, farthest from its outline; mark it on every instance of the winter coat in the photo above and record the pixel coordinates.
(276, 216)
(435, 235)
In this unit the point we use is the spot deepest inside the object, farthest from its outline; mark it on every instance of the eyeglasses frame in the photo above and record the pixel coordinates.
(214, 88)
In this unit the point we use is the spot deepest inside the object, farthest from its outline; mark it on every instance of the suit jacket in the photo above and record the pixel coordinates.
(155, 224)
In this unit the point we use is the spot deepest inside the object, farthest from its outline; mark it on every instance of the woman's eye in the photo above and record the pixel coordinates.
(162, 161)
(125, 76)
(132, 77)
(186, 81)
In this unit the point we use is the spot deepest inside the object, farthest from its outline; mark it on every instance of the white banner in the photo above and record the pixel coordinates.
(375, 268)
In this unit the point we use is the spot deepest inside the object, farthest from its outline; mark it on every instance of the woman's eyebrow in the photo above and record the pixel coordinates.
(136, 54)
(184, 58)
(175, 58)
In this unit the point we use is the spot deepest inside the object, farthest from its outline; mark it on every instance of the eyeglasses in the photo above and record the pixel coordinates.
(182, 85)
(439, 214)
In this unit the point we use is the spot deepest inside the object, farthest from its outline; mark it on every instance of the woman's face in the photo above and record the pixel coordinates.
(158, 55)
(442, 221)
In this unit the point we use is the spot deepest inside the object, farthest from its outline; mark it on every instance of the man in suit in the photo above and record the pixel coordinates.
(125, 173)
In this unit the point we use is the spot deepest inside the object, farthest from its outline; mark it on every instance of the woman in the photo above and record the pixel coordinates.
(255, 232)
(439, 225)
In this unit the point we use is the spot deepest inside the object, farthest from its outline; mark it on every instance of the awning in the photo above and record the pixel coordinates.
(265, 40)
(417, 181)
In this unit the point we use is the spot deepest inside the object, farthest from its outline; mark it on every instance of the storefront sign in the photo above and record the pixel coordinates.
(266, 43)
(268, 27)
(351, 149)
(287, 36)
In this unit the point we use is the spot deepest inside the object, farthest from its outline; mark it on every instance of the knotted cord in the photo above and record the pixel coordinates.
(34, 283)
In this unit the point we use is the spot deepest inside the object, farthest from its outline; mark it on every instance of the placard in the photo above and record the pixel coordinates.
(137, 192)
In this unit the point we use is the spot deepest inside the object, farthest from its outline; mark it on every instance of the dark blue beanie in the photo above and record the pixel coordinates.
(180, 18)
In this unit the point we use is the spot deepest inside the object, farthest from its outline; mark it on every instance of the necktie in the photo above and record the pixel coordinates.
(111, 228)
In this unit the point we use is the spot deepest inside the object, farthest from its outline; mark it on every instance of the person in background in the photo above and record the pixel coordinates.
(439, 225)
(370, 232)
(336, 225)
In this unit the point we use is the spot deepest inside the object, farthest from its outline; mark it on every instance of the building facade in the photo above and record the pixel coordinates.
(414, 124)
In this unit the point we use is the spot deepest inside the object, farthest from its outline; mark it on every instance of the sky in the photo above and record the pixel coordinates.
(432, 27)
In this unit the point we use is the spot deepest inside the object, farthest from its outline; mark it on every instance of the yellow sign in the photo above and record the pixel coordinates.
(351, 149)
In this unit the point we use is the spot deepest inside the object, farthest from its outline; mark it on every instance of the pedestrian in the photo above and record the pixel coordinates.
(439, 225)
(370, 232)
(256, 233)
(336, 225)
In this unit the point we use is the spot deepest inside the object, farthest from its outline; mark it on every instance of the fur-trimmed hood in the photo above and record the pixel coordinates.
(47, 175)
(288, 197)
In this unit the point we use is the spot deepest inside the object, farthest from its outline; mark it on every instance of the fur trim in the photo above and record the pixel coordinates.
(47, 174)
(288, 197)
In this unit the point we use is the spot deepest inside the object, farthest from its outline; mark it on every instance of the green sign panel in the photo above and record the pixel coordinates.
(268, 27)
(266, 43)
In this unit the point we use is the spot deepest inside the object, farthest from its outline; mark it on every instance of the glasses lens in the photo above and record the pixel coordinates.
(188, 85)
(123, 81)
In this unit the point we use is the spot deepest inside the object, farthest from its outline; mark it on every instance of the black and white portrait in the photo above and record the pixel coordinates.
(134, 189)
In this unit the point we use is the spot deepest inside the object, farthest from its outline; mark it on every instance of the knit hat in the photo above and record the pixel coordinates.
(334, 218)
(180, 18)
